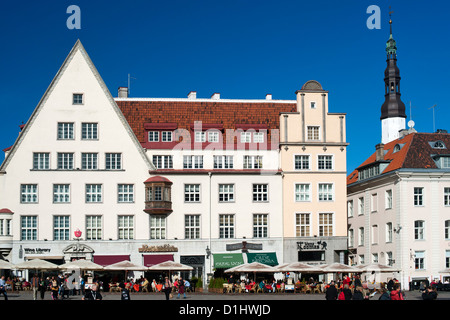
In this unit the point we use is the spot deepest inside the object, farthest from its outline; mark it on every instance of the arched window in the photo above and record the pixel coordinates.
(439, 145)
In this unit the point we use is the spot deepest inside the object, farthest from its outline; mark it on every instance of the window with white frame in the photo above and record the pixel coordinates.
(89, 161)
(260, 225)
(113, 161)
(389, 259)
(28, 228)
(350, 208)
(5, 227)
(192, 226)
(361, 206)
(374, 202)
(260, 192)
(200, 136)
(93, 193)
(28, 193)
(375, 234)
(419, 260)
(351, 238)
(61, 193)
(447, 259)
(389, 232)
(163, 161)
(226, 192)
(362, 259)
(65, 131)
(302, 224)
(223, 162)
(302, 192)
(419, 230)
(191, 193)
(301, 162)
(388, 199)
(325, 224)
(166, 136)
(418, 197)
(157, 227)
(192, 162)
(326, 192)
(61, 228)
(325, 162)
(446, 197)
(125, 193)
(93, 227)
(361, 236)
(126, 227)
(77, 98)
(447, 230)
(41, 161)
(246, 137)
(253, 162)
(89, 131)
(226, 226)
(375, 258)
(313, 133)
(65, 161)
(258, 137)
(153, 136)
(213, 136)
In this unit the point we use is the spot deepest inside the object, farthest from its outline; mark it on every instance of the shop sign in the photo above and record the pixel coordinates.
(36, 250)
(311, 245)
(163, 248)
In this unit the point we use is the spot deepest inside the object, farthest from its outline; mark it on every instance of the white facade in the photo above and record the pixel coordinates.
(390, 128)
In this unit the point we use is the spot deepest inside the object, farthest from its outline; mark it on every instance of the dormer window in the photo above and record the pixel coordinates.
(397, 148)
(439, 145)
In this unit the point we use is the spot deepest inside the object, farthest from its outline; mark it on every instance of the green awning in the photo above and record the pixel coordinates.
(269, 258)
(227, 260)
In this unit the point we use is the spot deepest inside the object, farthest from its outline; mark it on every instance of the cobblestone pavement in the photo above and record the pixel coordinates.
(28, 295)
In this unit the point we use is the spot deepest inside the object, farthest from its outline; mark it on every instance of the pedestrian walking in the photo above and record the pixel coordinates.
(93, 294)
(125, 293)
(35, 286)
(429, 293)
(167, 287)
(3, 287)
(331, 293)
(181, 288)
(42, 287)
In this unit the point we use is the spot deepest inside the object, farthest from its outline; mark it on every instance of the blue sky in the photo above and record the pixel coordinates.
(243, 49)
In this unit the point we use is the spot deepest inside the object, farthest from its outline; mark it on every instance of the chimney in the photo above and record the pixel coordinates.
(379, 152)
(192, 95)
(215, 96)
(123, 92)
(268, 96)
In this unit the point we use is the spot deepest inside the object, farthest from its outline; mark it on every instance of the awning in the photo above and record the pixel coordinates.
(227, 260)
(269, 258)
(152, 259)
(105, 260)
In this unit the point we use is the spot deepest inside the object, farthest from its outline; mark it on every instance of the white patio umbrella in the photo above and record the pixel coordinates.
(6, 265)
(37, 264)
(255, 267)
(339, 267)
(300, 267)
(170, 266)
(126, 266)
(377, 267)
(82, 265)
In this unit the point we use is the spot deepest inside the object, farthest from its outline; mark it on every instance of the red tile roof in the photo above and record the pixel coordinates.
(415, 153)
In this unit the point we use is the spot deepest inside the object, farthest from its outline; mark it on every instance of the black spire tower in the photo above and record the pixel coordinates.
(393, 107)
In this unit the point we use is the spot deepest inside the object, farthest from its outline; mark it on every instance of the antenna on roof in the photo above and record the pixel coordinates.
(411, 123)
(129, 83)
(433, 107)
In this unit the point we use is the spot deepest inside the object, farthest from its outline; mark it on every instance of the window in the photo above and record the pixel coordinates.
(419, 260)
(226, 192)
(65, 161)
(260, 192)
(61, 229)
(388, 199)
(61, 193)
(447, 259)
(361, 259)
(28, 228)
(350, 208)
(192, 226)
(5, 227)
(258, 137)
(65, 131)
(313, 133)
(325, 162)
(389, 259)
(113, 161)
(302, 192)
(253, 162)
(93, 227)
(126, 227)
(28, 193)
(125, 193)
(89, 131)
(213, 136)
(302, 225)
(223, 162)
(200, 136)
(313, 104)
(361, 237)
(93, 193)
(419, 230)
(375, 234)
(374, 202)
(418, 197)
(163, 162)
(361, 206)
(41, 161)
(157, 227)
(226, 226)
(246, 137)
(446, 196)
(89, 161)
(77, 98)
(445, 163)
(447, 230)
(439, 145)
(260, 225)
(351, 238)
(192, 193)
(301, 162)
(325, 224)
(326, 192)
(389, 233)
(153, 136)
(375, 258)
(192, 162)
(166, 136)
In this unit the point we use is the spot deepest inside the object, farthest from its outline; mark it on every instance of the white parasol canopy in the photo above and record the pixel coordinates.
(377, 267)
(170, 266)
(6, 265)
(253, 267)
(339, 267)
(300, 267)
(126, 266)
(36, 264)
(82, 265)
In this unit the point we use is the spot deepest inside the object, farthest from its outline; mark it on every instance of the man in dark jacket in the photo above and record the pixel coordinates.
(429, 294)
(331, 293)
(358, 294)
